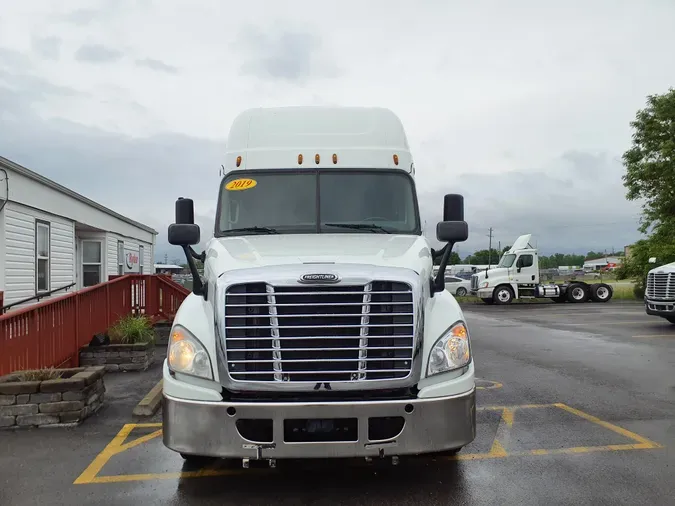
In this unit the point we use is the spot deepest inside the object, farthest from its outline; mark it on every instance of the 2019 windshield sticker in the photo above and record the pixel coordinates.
(241, 184)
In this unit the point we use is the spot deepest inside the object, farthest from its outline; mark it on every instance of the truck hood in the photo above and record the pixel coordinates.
(407, 251)
(492, 273)
(664, 268)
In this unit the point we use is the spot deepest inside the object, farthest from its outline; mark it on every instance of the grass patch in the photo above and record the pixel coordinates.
(131, 330)
(48, 373)
(624, 292)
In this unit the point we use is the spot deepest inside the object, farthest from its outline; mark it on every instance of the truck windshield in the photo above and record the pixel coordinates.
(507, 260)
(324, 201)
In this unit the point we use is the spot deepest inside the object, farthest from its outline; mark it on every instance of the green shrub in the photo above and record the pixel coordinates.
(132, 329)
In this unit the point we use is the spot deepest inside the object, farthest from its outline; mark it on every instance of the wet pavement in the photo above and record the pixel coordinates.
(576, 405)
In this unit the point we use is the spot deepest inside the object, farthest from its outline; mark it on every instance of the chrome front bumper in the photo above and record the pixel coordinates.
(662, 308)
(210, 428)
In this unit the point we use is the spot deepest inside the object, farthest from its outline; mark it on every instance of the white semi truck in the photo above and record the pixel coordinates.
(660, 291)
(318, 330)
(517, 277)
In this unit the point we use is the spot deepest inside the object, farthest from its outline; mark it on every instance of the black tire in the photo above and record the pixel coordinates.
(461, 292)
(503, 295)
(488, 301)
(601, 292)
(576, 292)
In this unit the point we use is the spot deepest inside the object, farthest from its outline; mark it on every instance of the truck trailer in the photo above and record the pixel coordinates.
(517, 277)
(318, 330)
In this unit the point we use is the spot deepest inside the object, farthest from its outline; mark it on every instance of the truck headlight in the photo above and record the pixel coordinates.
(187, 355)
(451, 351)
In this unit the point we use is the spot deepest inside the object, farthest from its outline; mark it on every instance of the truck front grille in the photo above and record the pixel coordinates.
(661, 286)
(319, 334)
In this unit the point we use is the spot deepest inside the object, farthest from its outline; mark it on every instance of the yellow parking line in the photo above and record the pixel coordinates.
(491, 386)
(117, 445)
(610, 426)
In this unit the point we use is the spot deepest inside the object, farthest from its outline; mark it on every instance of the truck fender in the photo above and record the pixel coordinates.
(196, 315)
(442, 311)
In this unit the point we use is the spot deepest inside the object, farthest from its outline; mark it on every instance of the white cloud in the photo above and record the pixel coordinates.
(517, 104)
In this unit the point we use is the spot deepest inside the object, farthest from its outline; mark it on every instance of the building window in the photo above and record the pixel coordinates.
(120, 257)
(140, 259)
(91, 263)
(42, 251)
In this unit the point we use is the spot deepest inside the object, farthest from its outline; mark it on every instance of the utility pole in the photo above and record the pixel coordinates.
(490, 249)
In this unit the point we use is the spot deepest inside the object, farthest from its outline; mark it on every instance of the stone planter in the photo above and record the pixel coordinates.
(66, 401)
(119, 357)
(162, 332)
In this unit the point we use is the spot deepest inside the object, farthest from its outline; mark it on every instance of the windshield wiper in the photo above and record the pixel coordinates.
(264, 230)
(360, 226)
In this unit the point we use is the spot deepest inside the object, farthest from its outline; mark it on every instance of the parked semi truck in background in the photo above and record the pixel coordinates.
(517, 277)
(660, 291)
(318, 330)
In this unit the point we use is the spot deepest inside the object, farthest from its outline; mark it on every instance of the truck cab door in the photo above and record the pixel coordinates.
(525, 269)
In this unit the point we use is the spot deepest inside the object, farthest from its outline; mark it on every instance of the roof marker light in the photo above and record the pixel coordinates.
(395, 159)
(334, 158)
(300, 159)
(317, 158)
(238, 161)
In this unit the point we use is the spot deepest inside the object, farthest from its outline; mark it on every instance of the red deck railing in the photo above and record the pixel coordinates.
(50, 333)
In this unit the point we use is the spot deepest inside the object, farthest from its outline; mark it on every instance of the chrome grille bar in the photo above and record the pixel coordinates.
(363, 341)
(660, 285)
(276, 344)
(293, 334)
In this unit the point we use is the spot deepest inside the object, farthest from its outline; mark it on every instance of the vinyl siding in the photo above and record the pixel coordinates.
(20, 252)
(133, 244)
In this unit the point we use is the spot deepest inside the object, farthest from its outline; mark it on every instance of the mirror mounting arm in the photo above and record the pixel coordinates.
(198, 287)
(198, 256)
(438, 283)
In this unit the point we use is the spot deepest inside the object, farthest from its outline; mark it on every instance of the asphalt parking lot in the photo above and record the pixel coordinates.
(576, 405)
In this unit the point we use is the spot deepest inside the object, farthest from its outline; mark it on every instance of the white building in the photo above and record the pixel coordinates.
(610, 262)
(52, 238)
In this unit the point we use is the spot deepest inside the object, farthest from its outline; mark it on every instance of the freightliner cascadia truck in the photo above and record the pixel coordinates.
(517, 277)
(660, 291)
(318, 329)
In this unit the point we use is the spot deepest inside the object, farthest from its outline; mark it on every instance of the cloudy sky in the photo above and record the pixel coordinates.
(522, 106)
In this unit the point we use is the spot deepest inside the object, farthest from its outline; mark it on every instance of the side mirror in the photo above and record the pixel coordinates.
(185, 211)
(183, 234)
(453, 207)
(652, 260)
(451, 230)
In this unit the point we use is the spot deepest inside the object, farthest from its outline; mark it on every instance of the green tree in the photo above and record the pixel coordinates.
(650, 177)
(483, 256)
(453, 260)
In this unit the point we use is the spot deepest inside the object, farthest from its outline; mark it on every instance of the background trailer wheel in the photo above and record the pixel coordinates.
(601, 292)
(577, 292)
